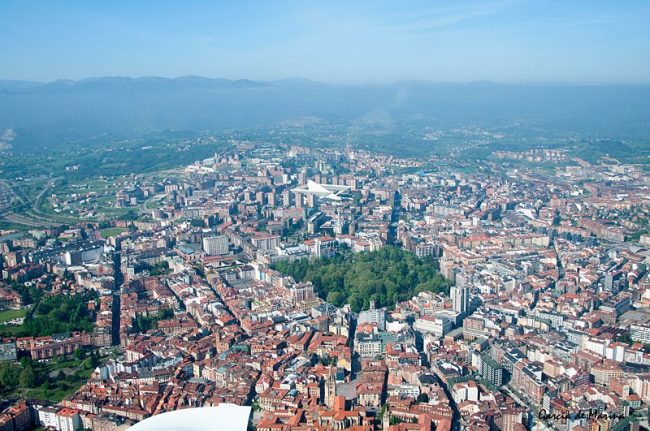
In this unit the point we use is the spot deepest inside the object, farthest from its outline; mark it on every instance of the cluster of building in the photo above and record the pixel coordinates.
(547, 322)
(535, 155)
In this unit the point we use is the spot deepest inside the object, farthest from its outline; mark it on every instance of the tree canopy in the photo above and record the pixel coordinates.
(57, 314)
(144, 323)
(9, 374)
(27, 378)
(386, 276)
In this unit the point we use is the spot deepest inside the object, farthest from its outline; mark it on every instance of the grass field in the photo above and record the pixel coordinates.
(152, 204)
(6, 315)
(112, 231)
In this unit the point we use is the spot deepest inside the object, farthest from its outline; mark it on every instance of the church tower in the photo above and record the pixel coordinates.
(330, 388)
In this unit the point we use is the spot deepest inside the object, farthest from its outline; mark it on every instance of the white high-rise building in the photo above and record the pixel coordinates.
(373, 315)
(215, 245)
(460, 299)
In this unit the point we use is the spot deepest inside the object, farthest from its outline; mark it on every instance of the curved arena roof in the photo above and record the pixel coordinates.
(223, 417)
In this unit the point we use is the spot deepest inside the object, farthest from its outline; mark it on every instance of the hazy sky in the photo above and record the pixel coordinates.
(346, 41)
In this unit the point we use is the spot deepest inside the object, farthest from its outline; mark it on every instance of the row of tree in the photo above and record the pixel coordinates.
(386, 276)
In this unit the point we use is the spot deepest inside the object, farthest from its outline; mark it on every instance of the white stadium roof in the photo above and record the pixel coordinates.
(323, 191)
(225, 417)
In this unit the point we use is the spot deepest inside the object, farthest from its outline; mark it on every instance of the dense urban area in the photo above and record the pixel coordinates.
(329, 288)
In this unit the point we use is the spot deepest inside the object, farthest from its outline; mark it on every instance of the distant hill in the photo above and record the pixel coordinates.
(45, 115)
(145, 83)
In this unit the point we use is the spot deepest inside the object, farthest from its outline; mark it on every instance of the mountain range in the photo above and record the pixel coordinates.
(155, 83)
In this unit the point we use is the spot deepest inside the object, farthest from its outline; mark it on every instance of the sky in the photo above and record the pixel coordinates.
(374, 41)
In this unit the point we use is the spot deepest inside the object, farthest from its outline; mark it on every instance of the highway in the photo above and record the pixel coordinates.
(34, 217)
